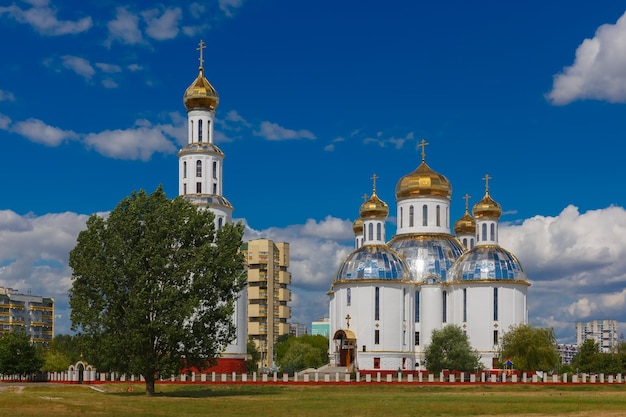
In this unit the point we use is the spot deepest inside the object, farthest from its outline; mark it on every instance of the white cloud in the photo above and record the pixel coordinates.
(43, 19)
(228, 6)
(5, 121)
(78, 65)
(125, 28)
(108, 68)
(6, 96)
(37, 131)
(162, 25)
(598, 71)
(136, 143)
(329, 228)
(383, 141)
(273, 131)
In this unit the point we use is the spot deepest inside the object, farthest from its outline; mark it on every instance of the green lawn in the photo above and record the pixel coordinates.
(361, 400)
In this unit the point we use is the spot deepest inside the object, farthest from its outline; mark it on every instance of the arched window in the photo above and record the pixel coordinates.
(417, 306)
(495, 304)
(371, 232)
(401, 214)
(493, 232)
(465, 242)
(185, 169)
(438, 215)
(444, 300)
(219, 223)
(464, 304)
(424, 215)
(411, 216)
(484, 232)
(215, 169)
(199, 130)
(377, 303)
(378, 231)
(198, 168)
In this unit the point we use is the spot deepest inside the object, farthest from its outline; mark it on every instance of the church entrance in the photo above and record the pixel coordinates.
(345, 347)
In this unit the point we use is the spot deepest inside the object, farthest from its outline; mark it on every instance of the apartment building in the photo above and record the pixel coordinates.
(33, 313)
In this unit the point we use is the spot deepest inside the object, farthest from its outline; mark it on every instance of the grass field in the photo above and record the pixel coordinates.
(313, 400)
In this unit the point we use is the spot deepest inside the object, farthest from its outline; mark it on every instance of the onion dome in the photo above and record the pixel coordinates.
(428, 255)
(357, 226)
(487, 207)
(374, 208)
(466, 225)
(488, 263)
(423, 182)
(372, 262)
(201, 93)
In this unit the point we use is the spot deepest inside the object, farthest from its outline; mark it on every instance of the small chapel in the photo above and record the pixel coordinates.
(388, 296)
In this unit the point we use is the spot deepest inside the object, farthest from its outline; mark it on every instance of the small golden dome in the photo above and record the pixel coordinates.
(374, 207)
(487, 207)
(423, 182)
(357, 226)
(201, 94)
(466, 225)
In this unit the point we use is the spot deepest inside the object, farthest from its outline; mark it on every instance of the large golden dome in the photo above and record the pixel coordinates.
(201, 94)
(487, 207)
(374, 208)
(423, 182)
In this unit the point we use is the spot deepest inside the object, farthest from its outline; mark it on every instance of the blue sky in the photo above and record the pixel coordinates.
(318, 96)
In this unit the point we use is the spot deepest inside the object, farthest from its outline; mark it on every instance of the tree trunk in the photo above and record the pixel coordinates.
(149, 377)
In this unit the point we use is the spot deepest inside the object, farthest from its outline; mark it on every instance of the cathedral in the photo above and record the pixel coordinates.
(387, 297)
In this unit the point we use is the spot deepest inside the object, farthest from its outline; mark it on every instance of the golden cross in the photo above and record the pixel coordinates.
(467, 197)
(364, 197)
(422, 145)
(200, 47)
(374, 179)
(487, 178)
(348, 320)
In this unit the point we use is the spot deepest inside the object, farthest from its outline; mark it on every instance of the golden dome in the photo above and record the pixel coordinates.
(357, 226)
(466, 225)
(487, 207)
(201, 94)
(374, 207)
(423, 182)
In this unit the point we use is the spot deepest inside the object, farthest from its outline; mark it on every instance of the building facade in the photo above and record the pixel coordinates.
(388, 297)
(200, 174)
(32, 313)
(268, 294)
(603, 332)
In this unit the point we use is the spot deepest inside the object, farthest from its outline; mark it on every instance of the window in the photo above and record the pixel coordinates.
(199, 130)
(185, 189)
(377, 303)
(348, 297)
(411, 216)
(376, 363)
(493, 232)
(495, 304)
(465, 242)
(219, 223)
(215, 169)
(417, 338)
(401, 211)
(185, 169)
(484, 232)
(438, 215)
(464, 304)
(424, 215)
(378, 231)
(444, 296)
(198, 168)
(214, 188)
(495, 337)
(376, 337)
(198, 188)
(371, 231)
(417, 306)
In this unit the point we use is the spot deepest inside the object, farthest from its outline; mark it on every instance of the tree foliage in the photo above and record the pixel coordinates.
(63, 351)
(590, 359)
(17, 355)
(254, 356)
(296, 353)
(154, 286)
(530, 348)
(450, 349)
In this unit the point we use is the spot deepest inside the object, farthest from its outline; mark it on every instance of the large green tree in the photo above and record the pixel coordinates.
(291, 355)
(17, 355)
(154, 285)
(450, 349)
(529, 348)
(591, 359)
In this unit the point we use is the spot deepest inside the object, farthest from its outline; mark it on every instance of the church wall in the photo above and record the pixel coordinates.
(431, 315)
(404, 209)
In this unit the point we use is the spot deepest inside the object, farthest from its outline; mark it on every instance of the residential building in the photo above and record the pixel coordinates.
(566, 352)
(321, 327)
(32, 313)
(604, 332)
(297, 329)
(268, 294)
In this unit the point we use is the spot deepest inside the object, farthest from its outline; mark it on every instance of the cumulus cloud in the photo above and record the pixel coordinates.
(124, 28)
(599, 69)
(382, 140)
(43, 19)
(162, 25)
(78, 65)
(229, 6)
(37, 131)
(5, 121)
(273, 131)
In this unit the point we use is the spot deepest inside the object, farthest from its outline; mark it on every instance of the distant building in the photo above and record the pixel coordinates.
(604, 332)
(268, 294)
(297, 329)
(32, 313)
(566, 352)
(321, 327)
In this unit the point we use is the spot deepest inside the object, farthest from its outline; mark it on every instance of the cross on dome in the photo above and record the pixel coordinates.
(486, 178)
(466, 197)
(201, 46)
(373, 178)
(422, 145)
